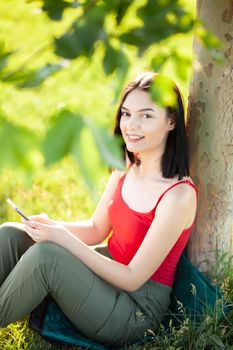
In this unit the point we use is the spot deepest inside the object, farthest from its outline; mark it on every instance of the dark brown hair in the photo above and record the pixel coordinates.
(175, 159)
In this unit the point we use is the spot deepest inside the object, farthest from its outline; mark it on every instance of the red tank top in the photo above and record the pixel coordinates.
(129, 228)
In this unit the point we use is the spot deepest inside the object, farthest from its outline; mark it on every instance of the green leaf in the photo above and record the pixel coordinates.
(212, 43)
(87, 156)
(214, 340)
(160, 19)
(122, 7)
(81, 38)
(61, 136)
(108, 146)
(33, 79)
(159, 60)
(135, 37)
(4, 58)
(114, 59)
(56, 8)
(162, 91)
(17, 145)
(120, 84)
(217, 55)
(210, 40)
(119, 8)
(182, 64)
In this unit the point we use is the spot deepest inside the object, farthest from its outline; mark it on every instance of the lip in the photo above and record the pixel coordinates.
(130, 137)
(127, 134)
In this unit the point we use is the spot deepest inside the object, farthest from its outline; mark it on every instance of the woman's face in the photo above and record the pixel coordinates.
(144, 125)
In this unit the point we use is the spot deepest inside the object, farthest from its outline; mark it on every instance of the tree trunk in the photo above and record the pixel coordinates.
(210, 125)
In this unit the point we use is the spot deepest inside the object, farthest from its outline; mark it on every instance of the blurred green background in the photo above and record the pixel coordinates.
(50, 103)
(63, 65)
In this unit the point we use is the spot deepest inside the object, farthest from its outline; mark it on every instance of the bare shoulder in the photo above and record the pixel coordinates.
(180, 202)
(183, 194)
(114, 178)
(188, 178)
(116, 173)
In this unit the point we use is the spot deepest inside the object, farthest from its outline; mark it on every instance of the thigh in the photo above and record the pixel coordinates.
(86, 299)
(13, 244)
(129, 320)
(46, 268)
(98, 309)
(13, 234)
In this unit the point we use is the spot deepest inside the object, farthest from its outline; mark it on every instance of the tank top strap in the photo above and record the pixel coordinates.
(175, 184)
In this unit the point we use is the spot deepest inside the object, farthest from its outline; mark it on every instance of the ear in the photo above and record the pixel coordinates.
(172, 122)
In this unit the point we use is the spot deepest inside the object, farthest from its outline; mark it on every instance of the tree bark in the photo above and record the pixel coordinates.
(210, 133)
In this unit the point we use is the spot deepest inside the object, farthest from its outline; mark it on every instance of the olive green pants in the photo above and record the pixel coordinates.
(29, 271)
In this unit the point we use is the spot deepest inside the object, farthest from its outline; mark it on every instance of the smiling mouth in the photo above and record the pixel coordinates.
(134, 138)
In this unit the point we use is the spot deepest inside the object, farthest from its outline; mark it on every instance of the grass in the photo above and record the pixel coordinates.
(60, 192)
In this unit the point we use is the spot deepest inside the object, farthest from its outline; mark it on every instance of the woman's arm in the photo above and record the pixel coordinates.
(172, 217)
(98, 227)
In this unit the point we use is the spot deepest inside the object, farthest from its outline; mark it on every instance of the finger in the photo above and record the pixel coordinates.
(39, 217)
(45, 221)
(29, 223)
(33, 224)
(34, 218)
(40, 225)
(49, 222)
(34, 234)
(33, 230)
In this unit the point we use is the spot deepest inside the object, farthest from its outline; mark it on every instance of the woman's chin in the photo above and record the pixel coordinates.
(132, 148)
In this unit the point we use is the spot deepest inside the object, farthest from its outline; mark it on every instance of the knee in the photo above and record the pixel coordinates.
(45, 252)
(9, 227)
(13, 233)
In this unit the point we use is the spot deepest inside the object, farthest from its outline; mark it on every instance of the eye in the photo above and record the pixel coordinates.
(124, 114)
(146, 116)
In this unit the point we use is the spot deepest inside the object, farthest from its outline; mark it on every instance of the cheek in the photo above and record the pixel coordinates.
(122, 125)
(122, 129)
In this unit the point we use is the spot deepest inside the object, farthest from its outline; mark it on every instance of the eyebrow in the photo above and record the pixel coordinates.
(140, 110)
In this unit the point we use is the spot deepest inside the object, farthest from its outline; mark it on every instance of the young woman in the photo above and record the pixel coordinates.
(114, 296)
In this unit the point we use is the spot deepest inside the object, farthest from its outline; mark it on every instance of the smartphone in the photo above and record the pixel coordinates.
(19, 211)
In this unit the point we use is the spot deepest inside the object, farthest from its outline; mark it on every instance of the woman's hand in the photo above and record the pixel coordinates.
(42, 232)
(43, 218)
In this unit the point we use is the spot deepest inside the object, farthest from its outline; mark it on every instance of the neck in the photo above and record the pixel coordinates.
(150, 167)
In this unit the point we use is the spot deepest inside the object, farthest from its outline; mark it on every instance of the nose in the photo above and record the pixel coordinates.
(132, 123)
